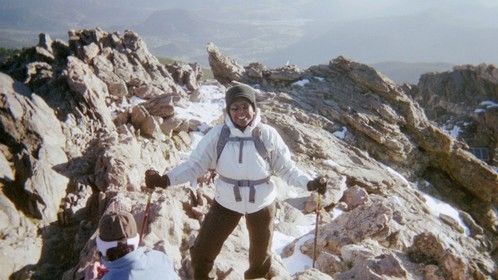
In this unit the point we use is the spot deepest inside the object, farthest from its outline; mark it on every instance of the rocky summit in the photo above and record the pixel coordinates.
(82, 120)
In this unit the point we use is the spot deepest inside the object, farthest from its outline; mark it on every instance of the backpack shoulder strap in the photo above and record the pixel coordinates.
(222, 141)
(258, 143)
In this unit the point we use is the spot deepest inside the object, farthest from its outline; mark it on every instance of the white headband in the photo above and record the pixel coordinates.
(103, 246)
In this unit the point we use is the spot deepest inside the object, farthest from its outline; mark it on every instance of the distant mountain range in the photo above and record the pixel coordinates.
(272, 32)
(417, 38)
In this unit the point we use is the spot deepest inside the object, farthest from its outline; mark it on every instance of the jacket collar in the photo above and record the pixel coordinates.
(248, 130)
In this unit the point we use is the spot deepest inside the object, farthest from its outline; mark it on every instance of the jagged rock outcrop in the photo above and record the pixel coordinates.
(458, 92)
(35, 144)
(225, 69)
(187, 75)
(464, 100)
(32, 146)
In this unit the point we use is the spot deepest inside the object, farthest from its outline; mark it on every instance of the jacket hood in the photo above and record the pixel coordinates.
(248, 130)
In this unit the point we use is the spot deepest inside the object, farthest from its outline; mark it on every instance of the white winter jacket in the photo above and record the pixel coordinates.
(253, 166)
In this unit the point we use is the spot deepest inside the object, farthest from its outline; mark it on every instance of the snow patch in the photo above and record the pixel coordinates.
(341, 134)
(478, 111)
(308, 225)
(330, 163)
(298, 261)
(336, 212)
(320, 79)
(301, 83)
(438, 207)
(208, 108)
(488, 103)
(396, 200)
(454, 132)
(135, 100)
(279, 242)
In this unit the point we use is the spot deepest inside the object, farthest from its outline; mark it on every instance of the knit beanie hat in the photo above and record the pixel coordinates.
(238, 91)
(116, 227)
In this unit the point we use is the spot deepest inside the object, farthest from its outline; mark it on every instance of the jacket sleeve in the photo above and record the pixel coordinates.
(199, 161)
(282, 163)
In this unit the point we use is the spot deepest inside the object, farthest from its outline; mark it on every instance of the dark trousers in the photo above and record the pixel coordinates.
(216, 228)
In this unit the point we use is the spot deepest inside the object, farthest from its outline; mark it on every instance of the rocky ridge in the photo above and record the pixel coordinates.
(464, 100)
(75, 143)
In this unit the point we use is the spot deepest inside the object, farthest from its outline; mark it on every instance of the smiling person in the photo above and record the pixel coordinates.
(245, 154)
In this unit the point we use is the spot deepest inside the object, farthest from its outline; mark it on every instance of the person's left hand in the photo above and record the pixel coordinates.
(319, 184)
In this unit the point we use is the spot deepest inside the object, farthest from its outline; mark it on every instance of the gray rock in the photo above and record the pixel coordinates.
(186, 74)
(161, 106)
(428, 249)
(9, 216)
(138, 116)
(471, 223)
(90, 51)
(83, 81)
(225, 69)
(147, 91)
(312, 274)
(366, 266)
(354, 197)
(330, 263)
(45, 41)
(27, 119)
(285, 75)
(6, 172)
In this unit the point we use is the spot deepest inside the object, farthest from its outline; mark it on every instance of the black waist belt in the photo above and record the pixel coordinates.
(244, 183)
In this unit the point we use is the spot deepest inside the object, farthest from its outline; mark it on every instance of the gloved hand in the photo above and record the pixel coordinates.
(153, 179)
(319, 184)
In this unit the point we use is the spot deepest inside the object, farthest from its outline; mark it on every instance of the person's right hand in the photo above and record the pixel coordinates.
(153, 179)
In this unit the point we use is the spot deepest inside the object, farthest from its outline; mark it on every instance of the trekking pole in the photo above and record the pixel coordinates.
(146, 216)
(317, 221)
